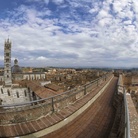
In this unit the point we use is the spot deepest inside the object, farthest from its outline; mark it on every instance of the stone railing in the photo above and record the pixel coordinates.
(120, 85)
(131, 116)
(18, 113)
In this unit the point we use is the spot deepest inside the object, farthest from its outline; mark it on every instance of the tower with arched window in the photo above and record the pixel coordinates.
(7, 63)
(12, 88)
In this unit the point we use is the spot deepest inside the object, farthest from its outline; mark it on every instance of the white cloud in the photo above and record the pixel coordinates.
(46, 1)
(103, 14)
(41, 58)
(58, 1)
(107, 39)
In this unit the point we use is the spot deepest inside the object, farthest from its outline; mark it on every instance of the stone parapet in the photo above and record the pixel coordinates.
(131, 116)
(131, 119)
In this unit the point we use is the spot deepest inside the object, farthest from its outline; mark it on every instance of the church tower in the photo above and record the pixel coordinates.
(7, 63)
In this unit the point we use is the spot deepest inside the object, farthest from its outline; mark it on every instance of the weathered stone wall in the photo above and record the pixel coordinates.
(1, 78)
(125, 125)
(11, 95)
(34, 76)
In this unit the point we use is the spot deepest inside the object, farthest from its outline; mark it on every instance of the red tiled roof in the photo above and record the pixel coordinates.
(39, 90)
(53, 87)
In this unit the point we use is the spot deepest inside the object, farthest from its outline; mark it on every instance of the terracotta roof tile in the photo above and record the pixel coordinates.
(53, 87)
(39, 90)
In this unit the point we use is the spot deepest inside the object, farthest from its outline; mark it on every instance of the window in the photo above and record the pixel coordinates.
(7, 54)
(1, 90)
(7, 65)
(17, 93)
(8, 91)
(7, 76)
(7, 71)
(7, 60)
(25, 93)
(7, 46)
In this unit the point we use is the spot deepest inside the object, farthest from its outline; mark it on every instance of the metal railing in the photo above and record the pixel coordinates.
(16, 113)
(121, 89)
(127, 121)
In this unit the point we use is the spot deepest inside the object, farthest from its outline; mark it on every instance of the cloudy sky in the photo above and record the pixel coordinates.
(95, 33)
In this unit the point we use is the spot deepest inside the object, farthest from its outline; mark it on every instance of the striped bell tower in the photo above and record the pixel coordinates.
(7, 63)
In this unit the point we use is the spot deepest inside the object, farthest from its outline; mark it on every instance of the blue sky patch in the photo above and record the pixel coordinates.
(70, 32)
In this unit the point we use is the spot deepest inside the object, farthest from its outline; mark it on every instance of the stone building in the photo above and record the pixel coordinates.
(130, 79)
(11, 91)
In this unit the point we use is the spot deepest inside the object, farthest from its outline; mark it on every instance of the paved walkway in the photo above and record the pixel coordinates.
(95, 122)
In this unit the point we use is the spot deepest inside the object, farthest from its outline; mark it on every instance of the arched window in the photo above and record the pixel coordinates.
(8, 91)
(25, 93)
(1, 90)
(34, 96)
(7, 65)
(7, 54)
(7, 60)
(17, 93)
(26, 77)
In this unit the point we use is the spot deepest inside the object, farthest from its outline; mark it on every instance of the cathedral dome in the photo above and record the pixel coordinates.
(16, 68)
